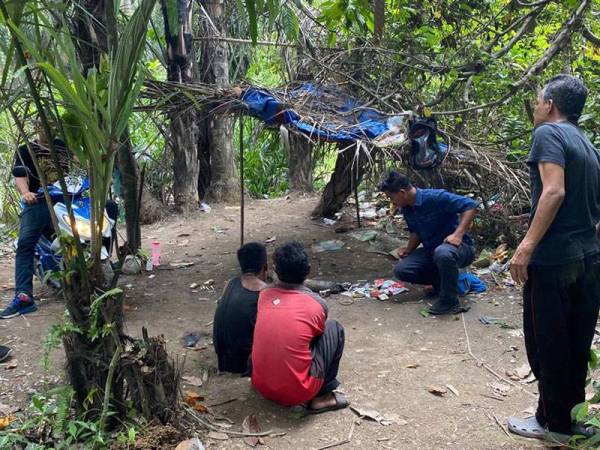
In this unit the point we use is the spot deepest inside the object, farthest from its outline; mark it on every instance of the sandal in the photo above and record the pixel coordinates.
(531, 428)
(341, 402)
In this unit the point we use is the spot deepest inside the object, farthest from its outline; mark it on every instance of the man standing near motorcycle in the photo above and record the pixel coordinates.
(35, 216)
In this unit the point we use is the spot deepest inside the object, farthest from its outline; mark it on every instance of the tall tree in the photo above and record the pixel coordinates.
(177, 15)
(215, 138)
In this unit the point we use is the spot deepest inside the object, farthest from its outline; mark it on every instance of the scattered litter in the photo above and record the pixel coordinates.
(218, 436)
(424, 312)
(190, 338)
(381, 289)
(346, 301)
(209, 282)
(151, 276)
(413, 366)
(328, 222)
(193, 399)
(194, 381)
(468, 282)
(190, 444)
(364, 235)
(452, 389)
(440, 391)
(499, 388)
(194, 285)
(368, 213)
(183, 235)
(328, 246)
(181, 264)
(488, 320)
(250, 425)
(522, 374)
(204, 207)
(217, 229)
(271, 240)
(372, 414)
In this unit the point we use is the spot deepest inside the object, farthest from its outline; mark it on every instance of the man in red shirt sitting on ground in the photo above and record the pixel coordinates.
(296, 351)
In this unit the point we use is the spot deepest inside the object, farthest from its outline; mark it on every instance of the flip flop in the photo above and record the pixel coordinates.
(531, 428)
(341, 402)
(4, 352)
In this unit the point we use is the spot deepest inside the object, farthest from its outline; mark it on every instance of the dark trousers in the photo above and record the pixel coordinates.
(327, 352)
(560, 310)
(438, 267)
(34, 222)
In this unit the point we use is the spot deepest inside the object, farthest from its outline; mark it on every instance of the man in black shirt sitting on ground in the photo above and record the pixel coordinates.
(235, 317)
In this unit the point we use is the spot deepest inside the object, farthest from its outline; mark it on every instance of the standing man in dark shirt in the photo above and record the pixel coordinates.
(35, 217)
(235, 317)
(432, 217)
(558, 260)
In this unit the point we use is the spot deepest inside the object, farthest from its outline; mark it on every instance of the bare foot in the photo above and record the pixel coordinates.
(324, 401)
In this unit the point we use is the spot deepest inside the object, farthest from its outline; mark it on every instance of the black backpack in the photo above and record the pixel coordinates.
(425, 151)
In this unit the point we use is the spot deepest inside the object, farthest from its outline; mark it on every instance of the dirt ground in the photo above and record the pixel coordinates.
(392, 352)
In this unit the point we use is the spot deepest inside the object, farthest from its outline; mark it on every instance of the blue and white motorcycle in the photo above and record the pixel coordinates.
(47, 258)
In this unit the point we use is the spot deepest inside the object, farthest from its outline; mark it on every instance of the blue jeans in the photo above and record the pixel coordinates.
(438, 267)
(35, 221)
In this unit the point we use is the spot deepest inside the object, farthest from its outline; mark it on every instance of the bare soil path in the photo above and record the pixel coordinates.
(392, 352)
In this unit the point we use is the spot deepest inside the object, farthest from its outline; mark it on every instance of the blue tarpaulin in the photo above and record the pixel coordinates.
(352, 120)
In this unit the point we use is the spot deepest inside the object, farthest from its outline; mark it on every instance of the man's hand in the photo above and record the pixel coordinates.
(29, 198)
(454, 239)
(403, 252)
(520, 262)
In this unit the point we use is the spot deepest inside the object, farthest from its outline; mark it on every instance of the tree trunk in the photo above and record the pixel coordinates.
(89, 26)
(218, 128)
(129, 191)
(349, 168)
(183, 128)
(299, 150)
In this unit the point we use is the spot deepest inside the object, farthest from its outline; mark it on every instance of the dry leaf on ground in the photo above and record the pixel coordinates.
(250, 425)
(218, 436)
(440, 391)
(190, 444)
(194, 381)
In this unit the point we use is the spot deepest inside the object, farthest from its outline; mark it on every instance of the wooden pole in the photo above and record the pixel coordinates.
(241, 180)
(355, 182)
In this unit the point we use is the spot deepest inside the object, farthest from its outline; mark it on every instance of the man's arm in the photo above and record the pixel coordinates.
(553, 193)
(413, 242)
(466, 219)
(22, 184)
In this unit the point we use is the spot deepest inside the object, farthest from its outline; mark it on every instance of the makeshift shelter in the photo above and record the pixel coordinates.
(328, 114)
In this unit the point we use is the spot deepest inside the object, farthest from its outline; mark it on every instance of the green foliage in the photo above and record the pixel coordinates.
(51, 423)
(53, 339)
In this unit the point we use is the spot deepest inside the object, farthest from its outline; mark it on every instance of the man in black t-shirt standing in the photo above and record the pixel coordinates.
(35, 217)
(558, 260)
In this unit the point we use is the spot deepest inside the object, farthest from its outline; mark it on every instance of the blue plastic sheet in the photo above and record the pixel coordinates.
(365, 123)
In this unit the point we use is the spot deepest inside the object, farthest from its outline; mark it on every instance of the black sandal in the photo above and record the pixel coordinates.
(341, 402)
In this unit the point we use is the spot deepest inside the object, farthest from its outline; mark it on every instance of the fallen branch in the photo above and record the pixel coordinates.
(342, 442)
(494, 418)
(219, 429)
(485, 366)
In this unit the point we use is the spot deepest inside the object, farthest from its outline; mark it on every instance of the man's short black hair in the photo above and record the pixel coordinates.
(568, 95)
(291, 263)
(252, 257)
(395, 182)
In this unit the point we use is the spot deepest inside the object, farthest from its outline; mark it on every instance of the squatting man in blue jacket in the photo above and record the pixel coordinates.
(438, 220)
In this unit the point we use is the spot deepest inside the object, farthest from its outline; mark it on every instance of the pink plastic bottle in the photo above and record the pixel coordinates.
(156, 253)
